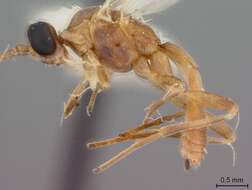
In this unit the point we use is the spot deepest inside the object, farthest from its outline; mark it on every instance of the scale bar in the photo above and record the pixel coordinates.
(234, 185)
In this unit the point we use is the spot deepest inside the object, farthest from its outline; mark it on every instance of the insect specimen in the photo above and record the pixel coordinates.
(113, 38)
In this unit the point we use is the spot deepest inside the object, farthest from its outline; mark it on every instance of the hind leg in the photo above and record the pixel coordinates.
(225, 131)
(203, 100)
(207, 100)
(158, 71)
(227, 134)
(173, 130)
(148, 137)
(139, 132)
(123, 154)
(220, 128)
(185, 63)
(120, 139)
(177, 95)
(156, 122)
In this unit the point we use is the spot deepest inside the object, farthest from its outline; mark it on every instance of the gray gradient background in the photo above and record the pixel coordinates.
(36, 153)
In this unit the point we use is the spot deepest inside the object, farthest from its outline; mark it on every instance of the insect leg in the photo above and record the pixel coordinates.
(168, 131)
(92, 100)
(147, 137)
(208, 100)
(123, 154)
(164, 132)
(228, 134)
(185, 63)
(155, 122)
(107, 142)
(158, 71)
(225, 131)
(221, 128)
(74, 99)
(215, 140)
(134, 133)
(99, 80)
(205, 100)
(120, 139)
(155, 105)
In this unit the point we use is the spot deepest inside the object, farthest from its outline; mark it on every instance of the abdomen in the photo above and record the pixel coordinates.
(193, 142)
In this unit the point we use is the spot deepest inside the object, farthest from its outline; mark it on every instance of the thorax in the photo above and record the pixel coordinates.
(117, 42)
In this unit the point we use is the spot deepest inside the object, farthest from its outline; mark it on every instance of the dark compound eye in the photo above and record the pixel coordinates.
(42, 37)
